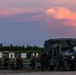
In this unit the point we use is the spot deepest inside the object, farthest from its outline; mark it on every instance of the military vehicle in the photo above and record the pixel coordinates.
(64, 52)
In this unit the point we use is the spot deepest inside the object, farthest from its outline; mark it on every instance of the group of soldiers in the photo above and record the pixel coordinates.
(46, 62)
(17, 64)
(52, 62)
(11, 64)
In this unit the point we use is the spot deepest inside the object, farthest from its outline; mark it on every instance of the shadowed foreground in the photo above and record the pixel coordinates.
(37, 73)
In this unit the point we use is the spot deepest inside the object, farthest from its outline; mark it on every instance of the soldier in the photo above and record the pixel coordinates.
(63, 63)
(19, 62)
(33, 63)
(6, 62)
(43, 61)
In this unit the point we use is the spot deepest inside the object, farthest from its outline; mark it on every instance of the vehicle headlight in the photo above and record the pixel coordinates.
(72, 57)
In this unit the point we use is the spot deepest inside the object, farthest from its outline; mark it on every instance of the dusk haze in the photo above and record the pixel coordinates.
(31, 22)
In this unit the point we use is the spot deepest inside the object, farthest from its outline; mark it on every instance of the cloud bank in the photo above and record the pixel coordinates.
(62, 13)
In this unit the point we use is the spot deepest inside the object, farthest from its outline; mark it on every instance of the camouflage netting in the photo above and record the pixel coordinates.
(63, 42)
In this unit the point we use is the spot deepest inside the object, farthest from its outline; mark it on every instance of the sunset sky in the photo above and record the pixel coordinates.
(31, 22)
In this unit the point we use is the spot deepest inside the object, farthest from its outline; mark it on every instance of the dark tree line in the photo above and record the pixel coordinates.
(19, 48)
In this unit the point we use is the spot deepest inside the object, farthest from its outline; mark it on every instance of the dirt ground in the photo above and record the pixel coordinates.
(6, 72)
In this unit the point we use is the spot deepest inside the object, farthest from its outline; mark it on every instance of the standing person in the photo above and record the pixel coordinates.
(19, 63)
(38, 61)
(6, 62)
(43, 61)
(72, 64)
(33, 63)
(12, 65)
(0, 64)
(52, 63)
(63, 64)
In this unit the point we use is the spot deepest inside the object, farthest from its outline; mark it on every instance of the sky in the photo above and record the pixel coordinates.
(31, 22)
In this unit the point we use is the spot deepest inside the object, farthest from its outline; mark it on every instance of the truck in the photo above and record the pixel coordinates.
(62, 51)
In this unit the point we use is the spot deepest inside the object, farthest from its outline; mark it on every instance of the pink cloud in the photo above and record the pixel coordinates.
(67, 1)
(20, 5)
(5, 11)
(31, 18)
(62, 13)
(38, 17)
